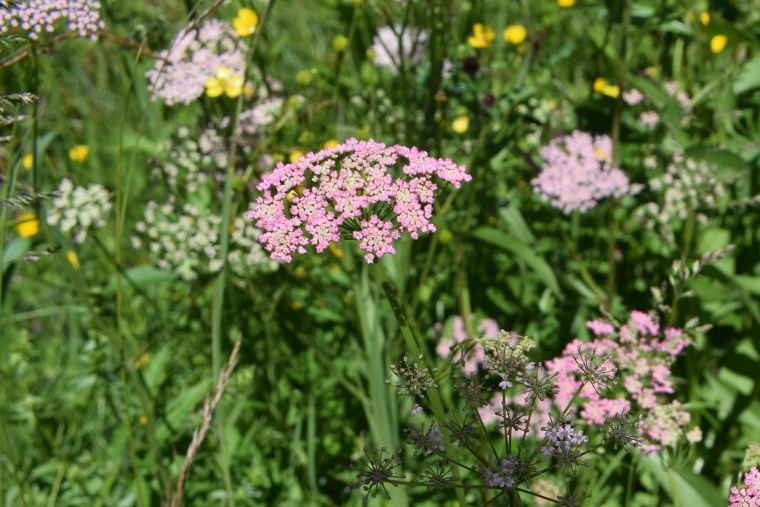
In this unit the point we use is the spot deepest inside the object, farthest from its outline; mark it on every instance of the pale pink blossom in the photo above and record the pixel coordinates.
(578, 173)
(350, 191)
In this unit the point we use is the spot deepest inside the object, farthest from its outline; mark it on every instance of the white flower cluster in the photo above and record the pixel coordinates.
(186, 240)
(246, 255)
(687, 186)
(391, 46)
(79, 209)
(188, 160)
(183, 240)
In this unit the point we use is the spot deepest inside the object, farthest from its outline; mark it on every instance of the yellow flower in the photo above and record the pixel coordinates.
(565, 4)
(27, 161)
(295, 156)
(248, 90)
(246, 21)
(224, 83)
(143, 420)
(340, 43)
(704, 18)
(461, 124)
(651, 71)
(515, 34)
(28, 225)
(337, 252)
(141, 360)
(330, 143)
(718, 43)
(482, 36)
(73, 259)
(601, 86)
(79, 153)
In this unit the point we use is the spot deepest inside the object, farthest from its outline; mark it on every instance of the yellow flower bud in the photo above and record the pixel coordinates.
(340, 43)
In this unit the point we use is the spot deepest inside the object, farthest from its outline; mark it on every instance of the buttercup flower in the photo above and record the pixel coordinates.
(515, 34)
(246, 21)
(565, 3)
(704, 18)
(718, 44)
(73, 259)
(181, 73)
(27, 161)
(224, 82)
(350, 192)
(482, 36)
(460, 124)
(602, 86)
(28, 225)
(79, 153)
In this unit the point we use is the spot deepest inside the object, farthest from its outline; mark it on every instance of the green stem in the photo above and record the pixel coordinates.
(417, 347)
(122, 192)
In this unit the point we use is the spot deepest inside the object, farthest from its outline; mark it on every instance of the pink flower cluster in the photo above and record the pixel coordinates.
(473, 352)
(348, 191)
(749, 495)
(38, 16)
(639, 355)
(180, 73)
(579, 172)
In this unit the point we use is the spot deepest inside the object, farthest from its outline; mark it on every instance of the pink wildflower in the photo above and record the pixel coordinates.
(195, 55)
(749, 495)
(640, 355)
(474, 355)
(38, 16)
(633, 97)
(349, 192)
(579, 172)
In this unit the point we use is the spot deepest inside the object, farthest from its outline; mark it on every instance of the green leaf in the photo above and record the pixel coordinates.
(683, 486)
(181, 407)
(522, 251)
(749, 77)
(18, 247)
(141, 276)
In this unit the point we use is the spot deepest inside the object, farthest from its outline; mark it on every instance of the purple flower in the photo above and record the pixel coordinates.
(350, 192)
(579, 172)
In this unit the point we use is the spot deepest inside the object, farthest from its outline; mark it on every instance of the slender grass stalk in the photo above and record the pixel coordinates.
(122, 197)
(616, 122)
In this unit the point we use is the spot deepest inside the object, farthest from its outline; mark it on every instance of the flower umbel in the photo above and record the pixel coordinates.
(349, 192)
(378, 468)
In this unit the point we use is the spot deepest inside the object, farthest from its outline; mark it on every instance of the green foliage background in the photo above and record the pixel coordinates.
(104, 368)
